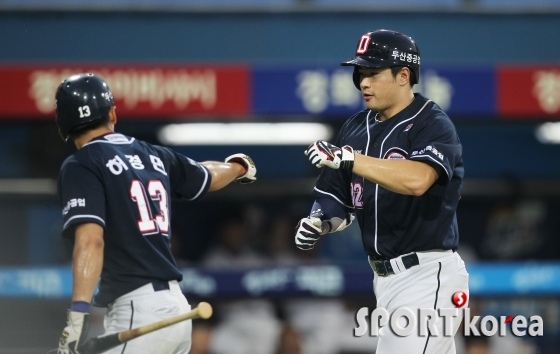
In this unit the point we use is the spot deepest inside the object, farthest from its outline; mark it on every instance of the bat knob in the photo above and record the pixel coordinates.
(204, 310)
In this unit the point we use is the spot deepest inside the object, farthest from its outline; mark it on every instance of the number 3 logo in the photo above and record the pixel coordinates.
(84, 111)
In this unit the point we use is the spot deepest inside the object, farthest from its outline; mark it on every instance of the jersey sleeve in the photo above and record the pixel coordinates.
(437, 142)
(82, 197)
(335, 184)
(189, 179)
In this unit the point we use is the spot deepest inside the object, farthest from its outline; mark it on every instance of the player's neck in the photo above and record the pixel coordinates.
(92, 134)
(403, 101)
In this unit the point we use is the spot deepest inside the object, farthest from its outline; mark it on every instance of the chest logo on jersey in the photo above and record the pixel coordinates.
(408, 127)
(396, 154)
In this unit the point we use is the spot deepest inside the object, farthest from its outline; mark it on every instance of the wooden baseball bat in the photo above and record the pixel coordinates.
(100, 344)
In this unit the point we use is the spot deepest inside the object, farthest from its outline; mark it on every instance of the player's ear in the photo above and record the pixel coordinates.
(113, 115)
(404, 76)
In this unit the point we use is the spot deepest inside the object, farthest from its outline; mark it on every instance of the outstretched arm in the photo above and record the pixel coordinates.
(223, 173)
(238, 167)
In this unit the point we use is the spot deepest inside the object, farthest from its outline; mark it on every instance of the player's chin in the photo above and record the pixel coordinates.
(372, 104)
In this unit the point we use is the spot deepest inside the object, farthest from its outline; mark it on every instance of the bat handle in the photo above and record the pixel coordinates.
(100, 344)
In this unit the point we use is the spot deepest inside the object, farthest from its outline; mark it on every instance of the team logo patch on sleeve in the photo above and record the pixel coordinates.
(73, 203)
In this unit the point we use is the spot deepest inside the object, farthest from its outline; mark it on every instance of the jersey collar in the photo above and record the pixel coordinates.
(410, 110)
(111, 138)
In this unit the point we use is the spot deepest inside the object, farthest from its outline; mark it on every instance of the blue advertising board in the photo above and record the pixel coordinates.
(327, 280)
(461, 92)
(329, 90)
(322, 90)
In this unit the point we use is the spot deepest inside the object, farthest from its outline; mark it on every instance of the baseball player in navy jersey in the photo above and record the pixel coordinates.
(397, 166)
(115, 193)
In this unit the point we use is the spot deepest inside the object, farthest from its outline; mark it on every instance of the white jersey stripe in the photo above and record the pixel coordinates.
(436, 161)
(332, 195)
(85, 216)
(203, 184)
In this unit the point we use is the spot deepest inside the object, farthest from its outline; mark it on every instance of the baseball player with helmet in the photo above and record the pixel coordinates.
(397, 165)
(115, 193)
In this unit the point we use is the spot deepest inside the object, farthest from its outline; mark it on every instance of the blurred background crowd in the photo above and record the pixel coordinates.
(493, 65)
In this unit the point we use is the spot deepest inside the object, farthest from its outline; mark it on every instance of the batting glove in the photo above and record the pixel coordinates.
(322, 153)
(308, 232)
(248, 164)
(75, 333)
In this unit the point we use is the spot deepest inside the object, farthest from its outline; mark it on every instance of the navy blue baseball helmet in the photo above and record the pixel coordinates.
(385, 48)
(81, 99)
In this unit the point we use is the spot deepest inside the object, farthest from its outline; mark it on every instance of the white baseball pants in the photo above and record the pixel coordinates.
(144, 306)
(431, 284)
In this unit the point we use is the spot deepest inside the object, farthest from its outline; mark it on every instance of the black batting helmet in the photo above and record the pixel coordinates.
(81, 99)
(384, 48)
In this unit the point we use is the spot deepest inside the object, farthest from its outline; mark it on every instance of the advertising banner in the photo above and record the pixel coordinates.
(529, 92)
(330, 91)
(139, 91)
(305, 90)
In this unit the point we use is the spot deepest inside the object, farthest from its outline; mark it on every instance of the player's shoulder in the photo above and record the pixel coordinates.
(76, 167)
(70, 161)
(430, 112)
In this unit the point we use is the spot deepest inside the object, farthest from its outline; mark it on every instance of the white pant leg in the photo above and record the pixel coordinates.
(247, 327)
(145, 306)
(429, 285)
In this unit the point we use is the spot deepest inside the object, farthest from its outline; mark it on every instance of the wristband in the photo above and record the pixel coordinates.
(80, 306)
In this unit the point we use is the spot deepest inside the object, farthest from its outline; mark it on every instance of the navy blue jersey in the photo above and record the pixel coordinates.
(126, 186)
(393, 224)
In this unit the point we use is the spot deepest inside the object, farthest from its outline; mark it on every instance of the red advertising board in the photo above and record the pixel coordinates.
(529, 92)
(140, 91)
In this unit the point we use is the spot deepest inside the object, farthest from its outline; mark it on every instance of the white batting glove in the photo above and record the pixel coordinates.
(322, 153)
(308, 232)
(250, 168)
(75, 332)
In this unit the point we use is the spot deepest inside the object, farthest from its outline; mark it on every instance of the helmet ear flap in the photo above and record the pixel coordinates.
(356, 78)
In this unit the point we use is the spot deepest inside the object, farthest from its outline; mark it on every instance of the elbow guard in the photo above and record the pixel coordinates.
(336, 224)
(333, 217)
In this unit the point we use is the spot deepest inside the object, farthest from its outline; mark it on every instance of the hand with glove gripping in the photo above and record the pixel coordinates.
(308, 232)
(311, 228)
(322, 153)
(75, 333)
(248, 164)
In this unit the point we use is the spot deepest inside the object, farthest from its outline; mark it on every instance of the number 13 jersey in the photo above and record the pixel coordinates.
(126, 186)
